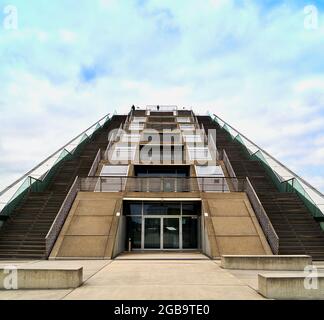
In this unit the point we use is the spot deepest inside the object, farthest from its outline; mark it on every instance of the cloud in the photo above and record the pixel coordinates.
(252, 63)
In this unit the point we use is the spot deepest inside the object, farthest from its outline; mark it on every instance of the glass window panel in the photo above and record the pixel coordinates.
(172, 208)
(171, 233)
(191, 208)
(134, 232)
(133, 208)
(190, 233)
(152, 233)
(152, 208)
(114, 171)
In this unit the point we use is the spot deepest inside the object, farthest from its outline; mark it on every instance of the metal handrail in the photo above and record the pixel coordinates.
(156, 184)
(230, 169)
(95, 164)
(50, 157)
(61, 216)
(263, 218)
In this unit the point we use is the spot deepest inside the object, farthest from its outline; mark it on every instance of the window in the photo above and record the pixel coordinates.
(191, 138)
(209, 171)
(162, 171)
(211, 179)
(187, 127)
(191, 208)
(131, 138)
(139, 119)
(114, 171)
(124, 153)
(162, 208)
(199, 153)
(135, 126)
(133, 208)
(183, 119)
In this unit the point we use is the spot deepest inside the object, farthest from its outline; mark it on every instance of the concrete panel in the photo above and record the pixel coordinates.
(88, 225)
(291, 263)
(83, 246)
(232, 208)
(290, 286)
(96, 208)
(240, 245)
(233, 226)
(91, 222)
(37, 278)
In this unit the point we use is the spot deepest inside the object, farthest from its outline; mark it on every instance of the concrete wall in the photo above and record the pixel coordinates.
(37, 278)
(120, 243)
(91, 227)
(290, 263)
(232, 226)
(291, 286)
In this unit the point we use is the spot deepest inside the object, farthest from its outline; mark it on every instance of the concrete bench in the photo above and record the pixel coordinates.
(12, 278)
(290, 286)
(292, 263)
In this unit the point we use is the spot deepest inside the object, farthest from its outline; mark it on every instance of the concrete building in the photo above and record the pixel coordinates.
(161, 180)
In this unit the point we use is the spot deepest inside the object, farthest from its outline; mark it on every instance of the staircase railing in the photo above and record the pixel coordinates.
(263, 218)
(38, 178)
(157, 184)
(230, 171)
(284, 178)
(95, 164)
(58, 223)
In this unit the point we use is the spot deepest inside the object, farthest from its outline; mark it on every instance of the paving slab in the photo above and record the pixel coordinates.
(163, 280)
(177, 277)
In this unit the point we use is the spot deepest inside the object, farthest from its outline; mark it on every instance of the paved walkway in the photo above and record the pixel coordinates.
(143, 277)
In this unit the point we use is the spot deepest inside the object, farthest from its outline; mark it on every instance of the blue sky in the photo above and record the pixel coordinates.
(252, 62)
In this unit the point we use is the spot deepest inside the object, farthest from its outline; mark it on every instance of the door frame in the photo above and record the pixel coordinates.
(162, 232)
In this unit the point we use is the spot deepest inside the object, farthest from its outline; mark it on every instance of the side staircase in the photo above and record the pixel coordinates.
(23, 234)
(298, 231)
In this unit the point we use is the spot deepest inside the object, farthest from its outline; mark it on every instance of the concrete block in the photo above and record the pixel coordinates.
(250, 262)
(291, 286)
(40, 278)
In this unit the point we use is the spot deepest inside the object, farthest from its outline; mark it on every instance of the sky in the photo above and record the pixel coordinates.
(258, 64)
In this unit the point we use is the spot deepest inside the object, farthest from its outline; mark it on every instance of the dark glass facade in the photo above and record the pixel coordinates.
(162, 225)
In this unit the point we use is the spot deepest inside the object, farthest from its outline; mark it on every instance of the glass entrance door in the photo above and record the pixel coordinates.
(152, 233)
(171, 233)
(162, 233)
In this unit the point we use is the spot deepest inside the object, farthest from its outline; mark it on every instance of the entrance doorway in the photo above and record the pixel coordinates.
(162, 225)
(162, 233)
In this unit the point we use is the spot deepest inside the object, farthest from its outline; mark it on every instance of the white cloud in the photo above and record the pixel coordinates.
(259, 69)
